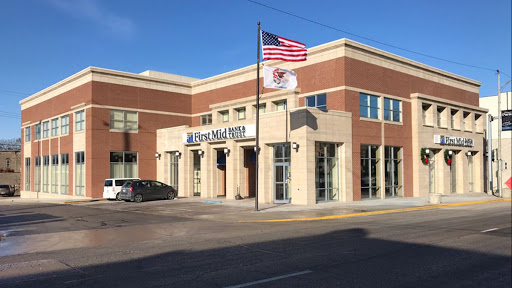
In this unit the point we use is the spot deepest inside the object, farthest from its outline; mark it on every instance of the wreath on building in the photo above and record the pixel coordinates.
(447, 158)
(424, 158)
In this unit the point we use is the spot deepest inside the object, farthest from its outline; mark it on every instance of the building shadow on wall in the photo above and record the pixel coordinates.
(301, 118)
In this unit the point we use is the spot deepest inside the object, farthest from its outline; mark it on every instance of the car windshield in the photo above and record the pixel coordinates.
(127, 184)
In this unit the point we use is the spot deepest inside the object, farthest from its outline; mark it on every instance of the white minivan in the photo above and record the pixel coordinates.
(113, 187)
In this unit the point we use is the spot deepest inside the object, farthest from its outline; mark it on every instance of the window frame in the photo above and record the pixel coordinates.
(124, 121)
(64, 125)
(314, 100)
(224, 116)
(123, 164)
(392, 111)
(27, 134)
(46, 129)
(55, 127)
(239, 111)
(368, 107)
(80, 120)
(206, 119)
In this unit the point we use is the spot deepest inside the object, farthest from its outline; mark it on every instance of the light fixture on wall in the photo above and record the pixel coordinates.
(469, 153)
(226, 151)
(450, 152)
(295, 145)
(427, 151)
(157, 155)
(200, 152)
(178, 153)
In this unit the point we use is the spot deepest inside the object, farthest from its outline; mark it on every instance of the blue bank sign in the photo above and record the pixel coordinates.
(226, 133)
(454, 141)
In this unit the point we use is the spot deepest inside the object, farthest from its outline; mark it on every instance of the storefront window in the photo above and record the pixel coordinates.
(370, 172)
(123, 165)
(326, 172)
(64, 173)
(55, 173)
(37, 174)
(27, 174)
(46, 166)
(173, 170)
(79, 173)
(393, 173)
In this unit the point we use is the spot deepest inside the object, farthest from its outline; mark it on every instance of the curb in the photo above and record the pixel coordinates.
(428, 207)
(85, 201)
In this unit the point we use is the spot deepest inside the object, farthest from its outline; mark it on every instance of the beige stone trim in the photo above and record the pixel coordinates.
(437, 100)
(251, 99)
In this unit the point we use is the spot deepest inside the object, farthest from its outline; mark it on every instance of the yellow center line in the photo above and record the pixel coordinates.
(376, 212)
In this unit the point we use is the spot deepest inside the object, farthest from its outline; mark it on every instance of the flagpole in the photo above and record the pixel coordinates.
(257, 148)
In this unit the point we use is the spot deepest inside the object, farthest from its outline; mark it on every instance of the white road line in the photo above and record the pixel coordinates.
(489, 230)
(270, 279)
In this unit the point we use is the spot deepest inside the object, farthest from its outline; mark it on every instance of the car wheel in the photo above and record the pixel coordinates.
(118, 197)
(170, 195)
(138, 198)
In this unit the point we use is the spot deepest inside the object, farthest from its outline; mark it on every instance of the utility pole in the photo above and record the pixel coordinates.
(499, 136)
(489, 153)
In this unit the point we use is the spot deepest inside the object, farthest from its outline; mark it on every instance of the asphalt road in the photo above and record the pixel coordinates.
(194, 244)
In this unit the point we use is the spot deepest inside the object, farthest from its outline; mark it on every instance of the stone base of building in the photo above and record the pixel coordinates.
(46, 195)
(435, 198)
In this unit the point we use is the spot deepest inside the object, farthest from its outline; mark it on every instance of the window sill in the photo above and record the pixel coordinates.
(441, 127)
(393, 123)
(428, 125)
(370, 119)
(455, 129)
(123, 131)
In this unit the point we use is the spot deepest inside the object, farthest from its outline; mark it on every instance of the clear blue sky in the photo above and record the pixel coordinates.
(45, 41)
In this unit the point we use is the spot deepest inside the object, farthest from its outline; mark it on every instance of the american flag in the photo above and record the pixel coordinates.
(279, 48)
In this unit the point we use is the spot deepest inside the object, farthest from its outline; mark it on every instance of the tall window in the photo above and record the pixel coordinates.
(393, 171)
(55, 127)
(240, 113)
(452, 118)
(27, 174)
(80, 120)
(370, 172)
(55, 173)
(27, 134)
(465, 121)
(38, 131)
(64, 125)
(64, 173)
(124, 120)
(440, 116)
(280, 105)
(174, 170)
(46, 129)
(392, 110)
(425, 108)
(79, 173)
(319, 101)
(7, 163)
(206, 119)
(123, 165)
(326, 172)
(224, 116)
(37, 173)
(368, 106)
(46, 173)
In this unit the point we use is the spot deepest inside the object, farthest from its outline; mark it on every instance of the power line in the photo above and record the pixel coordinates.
(369, 39)
(15, 92)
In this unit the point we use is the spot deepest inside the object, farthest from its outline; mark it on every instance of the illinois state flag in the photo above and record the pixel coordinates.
(279, 78)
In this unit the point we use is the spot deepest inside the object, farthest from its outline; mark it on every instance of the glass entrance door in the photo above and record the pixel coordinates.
(282, 173)
(282, 176)
(432, 175)
(453, 174)
(197, 174)
(470, 168)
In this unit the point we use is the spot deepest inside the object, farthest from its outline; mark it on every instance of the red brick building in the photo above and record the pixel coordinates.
(359, 119)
